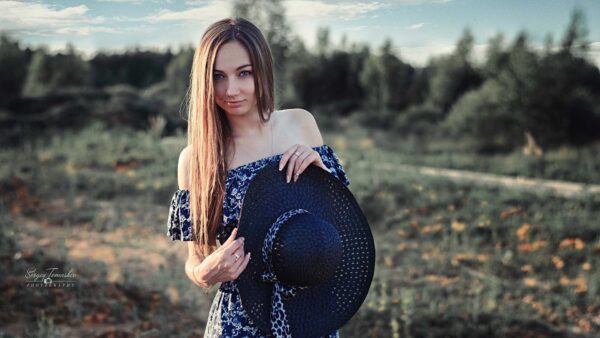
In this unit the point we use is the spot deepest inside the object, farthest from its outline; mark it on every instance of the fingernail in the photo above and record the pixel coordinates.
(249, 254)
(288, 179)
(279, 168)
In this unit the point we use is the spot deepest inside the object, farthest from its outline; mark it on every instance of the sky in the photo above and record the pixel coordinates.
(419, 29)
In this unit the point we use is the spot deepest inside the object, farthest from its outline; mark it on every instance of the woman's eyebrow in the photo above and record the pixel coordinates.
(238, 68)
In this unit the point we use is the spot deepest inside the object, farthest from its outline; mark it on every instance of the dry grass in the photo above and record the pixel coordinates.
(453, 259)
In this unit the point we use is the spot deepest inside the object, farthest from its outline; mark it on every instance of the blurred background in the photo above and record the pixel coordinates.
(470, 131)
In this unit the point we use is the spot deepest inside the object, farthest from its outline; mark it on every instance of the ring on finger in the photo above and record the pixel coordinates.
(237, 256)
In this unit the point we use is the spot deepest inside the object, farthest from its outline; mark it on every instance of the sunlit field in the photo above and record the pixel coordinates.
(453, 259)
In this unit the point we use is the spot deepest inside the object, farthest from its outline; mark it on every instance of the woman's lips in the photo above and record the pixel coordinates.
(234, 104)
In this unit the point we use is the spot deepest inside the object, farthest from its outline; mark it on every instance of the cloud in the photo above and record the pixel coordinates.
(418, 2)
(306, 16)
(594, 52)
(138, 2)
(209, 11)
(416, 26)
(84, 30)
(420, 55)
(356, 28)
(204, 10)
(135, 2)
(299, 9)
(45, 20)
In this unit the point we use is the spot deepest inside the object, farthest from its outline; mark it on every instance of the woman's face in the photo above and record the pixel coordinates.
(234, 80)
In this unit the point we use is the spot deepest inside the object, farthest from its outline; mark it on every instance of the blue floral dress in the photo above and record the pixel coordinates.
(227, 317)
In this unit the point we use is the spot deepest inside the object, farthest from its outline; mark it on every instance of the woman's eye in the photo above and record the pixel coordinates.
(218, 77)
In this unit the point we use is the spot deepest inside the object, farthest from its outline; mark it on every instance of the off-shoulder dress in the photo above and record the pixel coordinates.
(227, 317)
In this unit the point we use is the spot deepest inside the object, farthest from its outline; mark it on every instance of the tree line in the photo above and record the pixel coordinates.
(552, 95)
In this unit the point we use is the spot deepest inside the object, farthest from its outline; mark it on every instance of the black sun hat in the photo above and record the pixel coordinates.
(313, 254)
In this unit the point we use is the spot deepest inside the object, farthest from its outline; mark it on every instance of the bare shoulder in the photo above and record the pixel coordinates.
(183, 167)
(303, 124)
(295, 115)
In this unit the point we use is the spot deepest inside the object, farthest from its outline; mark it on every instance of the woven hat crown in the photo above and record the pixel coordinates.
(306, 251)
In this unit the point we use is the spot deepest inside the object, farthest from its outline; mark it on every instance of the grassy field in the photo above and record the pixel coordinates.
(565, 163)
(453, 260)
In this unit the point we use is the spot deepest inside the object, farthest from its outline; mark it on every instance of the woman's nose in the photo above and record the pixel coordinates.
(232, 88)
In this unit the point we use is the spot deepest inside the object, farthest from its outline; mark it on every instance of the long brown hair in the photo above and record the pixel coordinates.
(209, 131)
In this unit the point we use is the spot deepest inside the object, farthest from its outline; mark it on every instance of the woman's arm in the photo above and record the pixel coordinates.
(218, 266)
(194, 260)
(196, 271)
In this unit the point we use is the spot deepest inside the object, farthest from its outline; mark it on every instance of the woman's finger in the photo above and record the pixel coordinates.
(309, 158)
(242, 266)
(239, 251)
(298, 156)
(286, 156)
(231, 236)
(234, 245)
(236, 263)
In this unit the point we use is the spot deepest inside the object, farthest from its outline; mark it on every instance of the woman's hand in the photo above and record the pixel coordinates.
(229, 260)
(299, 157)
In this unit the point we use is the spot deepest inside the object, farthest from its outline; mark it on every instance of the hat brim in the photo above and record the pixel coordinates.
(320, 309)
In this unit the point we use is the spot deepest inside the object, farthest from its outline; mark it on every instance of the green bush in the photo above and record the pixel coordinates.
(481, 117)
(419, 120)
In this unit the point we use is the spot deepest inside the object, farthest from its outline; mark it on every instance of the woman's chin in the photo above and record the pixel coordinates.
(236, 111)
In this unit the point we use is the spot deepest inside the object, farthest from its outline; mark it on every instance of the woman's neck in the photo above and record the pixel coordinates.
(248, 125)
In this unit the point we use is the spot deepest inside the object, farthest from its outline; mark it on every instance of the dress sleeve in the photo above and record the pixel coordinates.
(332, 162)
(179, 223)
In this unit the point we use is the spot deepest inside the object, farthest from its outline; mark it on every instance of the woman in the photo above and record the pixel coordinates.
(233, 131)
